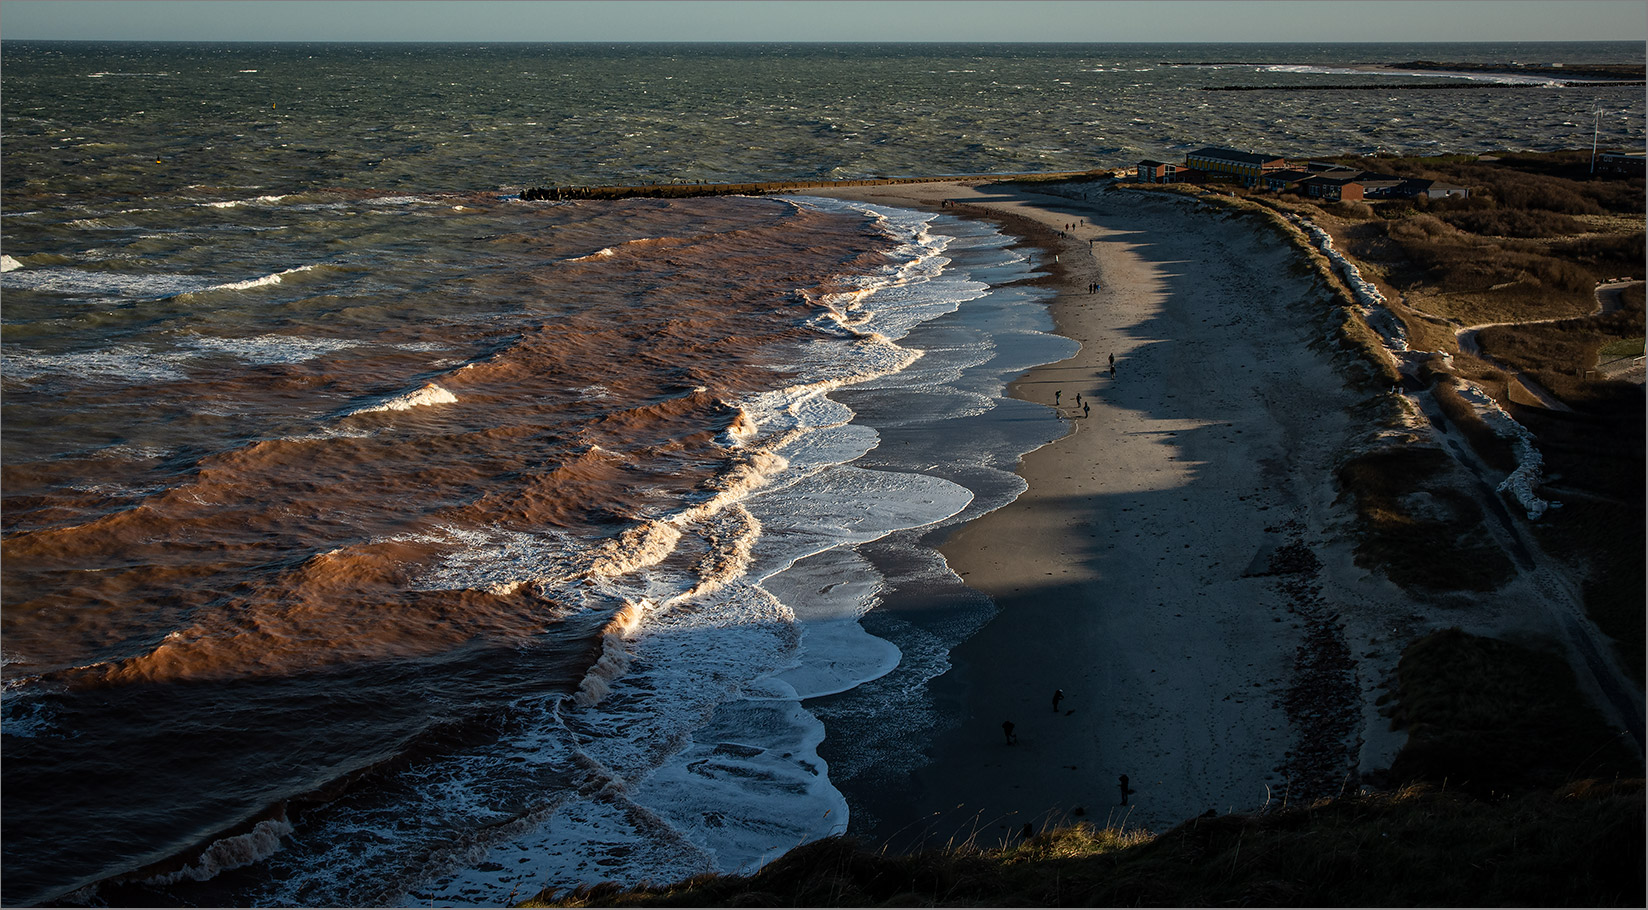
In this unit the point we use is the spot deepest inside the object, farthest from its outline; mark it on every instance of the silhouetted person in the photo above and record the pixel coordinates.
(1007, 730)
(1122, 781)
(1056, 395)
(1112, 359)
(1084, 410)
(1058, 696)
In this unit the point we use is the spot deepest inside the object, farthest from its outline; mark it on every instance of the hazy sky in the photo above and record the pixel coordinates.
(815, 20)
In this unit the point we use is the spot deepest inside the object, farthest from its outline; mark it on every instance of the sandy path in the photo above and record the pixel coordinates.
(1122, 572)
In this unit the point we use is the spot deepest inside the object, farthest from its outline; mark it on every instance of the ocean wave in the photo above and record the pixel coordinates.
(237, 203)
(87, 283)
(236, 852)
(615, 657)
(262, 349)
(607, 252)
(1494, 78)
(259, 282)
(124, 363)
(7, 263)
(430, 394)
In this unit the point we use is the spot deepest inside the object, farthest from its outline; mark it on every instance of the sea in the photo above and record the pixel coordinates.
(372, 536)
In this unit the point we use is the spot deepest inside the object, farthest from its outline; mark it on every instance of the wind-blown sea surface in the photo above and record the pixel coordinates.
(372, 536)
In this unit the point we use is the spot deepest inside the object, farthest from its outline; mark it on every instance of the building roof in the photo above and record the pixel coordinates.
(1224, 154)
(1423, 185)
(1289, 176)
(1149, 163)
(1365, 178)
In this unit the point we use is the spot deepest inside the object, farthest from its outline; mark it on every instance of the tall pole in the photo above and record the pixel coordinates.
(1596, 128)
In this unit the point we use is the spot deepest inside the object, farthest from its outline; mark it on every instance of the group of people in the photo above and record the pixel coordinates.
(1008, 730)
(1085, 409)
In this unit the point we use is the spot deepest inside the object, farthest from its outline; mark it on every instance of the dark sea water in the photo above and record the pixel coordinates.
(374, 537)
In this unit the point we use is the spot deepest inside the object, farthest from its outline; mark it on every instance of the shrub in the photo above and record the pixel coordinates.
(1492, 717)
(1514, 223)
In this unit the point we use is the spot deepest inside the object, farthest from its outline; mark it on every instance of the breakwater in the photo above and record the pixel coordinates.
(685, 190)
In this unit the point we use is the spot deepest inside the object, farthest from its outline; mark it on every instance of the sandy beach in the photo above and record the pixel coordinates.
(1177, 567)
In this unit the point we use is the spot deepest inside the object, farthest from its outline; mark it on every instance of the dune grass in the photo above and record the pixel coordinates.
(1419, 527)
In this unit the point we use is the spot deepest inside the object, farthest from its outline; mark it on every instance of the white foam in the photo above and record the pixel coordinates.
(749, 785)
(237, 203)
(262, 281)
(498, 560)
(271, 348)
(89, 283)
(1496, 78)
(7, 263)
(125, 364)
(256, 845)
(425, 396)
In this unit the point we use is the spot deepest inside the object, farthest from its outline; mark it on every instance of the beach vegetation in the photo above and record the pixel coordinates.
(1517, 265)
(1419, 524)
(1492, 718)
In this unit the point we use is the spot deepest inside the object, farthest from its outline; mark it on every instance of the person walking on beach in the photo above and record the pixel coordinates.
(1007, 730)
(1112, 359)
(1056, 394)
(1078, 399)
(1125, 788)
(1058, 696)
(1084, 410)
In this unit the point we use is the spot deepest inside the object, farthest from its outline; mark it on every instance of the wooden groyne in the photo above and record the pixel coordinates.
(685, 190)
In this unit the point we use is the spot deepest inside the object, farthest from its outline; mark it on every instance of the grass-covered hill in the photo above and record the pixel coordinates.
(1509, 283)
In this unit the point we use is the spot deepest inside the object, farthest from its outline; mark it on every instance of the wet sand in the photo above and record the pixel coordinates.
(1138, 573)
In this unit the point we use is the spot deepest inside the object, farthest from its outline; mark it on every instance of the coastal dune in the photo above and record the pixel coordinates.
(1174, 567)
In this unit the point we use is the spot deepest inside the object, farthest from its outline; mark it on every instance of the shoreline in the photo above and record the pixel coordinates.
(1136, 572)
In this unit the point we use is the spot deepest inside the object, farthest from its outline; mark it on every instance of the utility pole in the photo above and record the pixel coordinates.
(1596, 128)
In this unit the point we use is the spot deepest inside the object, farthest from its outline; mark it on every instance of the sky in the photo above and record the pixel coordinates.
(826, 20)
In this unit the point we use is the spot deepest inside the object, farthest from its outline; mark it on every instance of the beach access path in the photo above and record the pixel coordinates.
(1134, 574)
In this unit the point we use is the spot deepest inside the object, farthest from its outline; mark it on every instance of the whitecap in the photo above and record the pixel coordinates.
(262, 281)
(430, 394)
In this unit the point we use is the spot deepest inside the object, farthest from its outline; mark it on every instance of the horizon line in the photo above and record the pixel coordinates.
(4, 40)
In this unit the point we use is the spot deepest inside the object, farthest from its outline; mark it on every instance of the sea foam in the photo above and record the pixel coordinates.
(426, 396)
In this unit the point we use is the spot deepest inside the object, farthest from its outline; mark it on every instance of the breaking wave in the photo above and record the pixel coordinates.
(428, 395)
